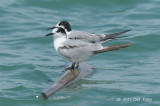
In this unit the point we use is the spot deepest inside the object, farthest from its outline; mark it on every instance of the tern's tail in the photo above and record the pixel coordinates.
(113, 36)
(112, 47)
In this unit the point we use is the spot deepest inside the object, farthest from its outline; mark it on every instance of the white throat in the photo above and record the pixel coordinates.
(58, 42)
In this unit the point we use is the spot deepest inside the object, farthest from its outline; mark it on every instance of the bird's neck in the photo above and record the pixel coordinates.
(60, 36)
(58, 42)
(68, 32)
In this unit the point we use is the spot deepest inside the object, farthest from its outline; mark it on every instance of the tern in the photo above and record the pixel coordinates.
(76, 50)
(85, 36)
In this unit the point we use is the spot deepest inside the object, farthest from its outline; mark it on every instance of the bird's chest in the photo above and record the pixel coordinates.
(58, 42)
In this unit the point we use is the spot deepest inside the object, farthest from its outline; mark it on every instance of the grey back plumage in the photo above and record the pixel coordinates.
(84, 36)
(93, 38)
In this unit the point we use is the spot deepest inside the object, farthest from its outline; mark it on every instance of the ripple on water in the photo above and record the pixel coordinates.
(29, 64)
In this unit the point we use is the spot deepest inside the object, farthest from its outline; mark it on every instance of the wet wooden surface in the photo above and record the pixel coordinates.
(70, 76)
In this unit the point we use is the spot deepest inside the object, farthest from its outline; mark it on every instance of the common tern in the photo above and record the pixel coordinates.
(76, 50)
(85, 36)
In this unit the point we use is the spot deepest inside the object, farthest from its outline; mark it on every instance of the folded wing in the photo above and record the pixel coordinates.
(94, 38)
(78, 50)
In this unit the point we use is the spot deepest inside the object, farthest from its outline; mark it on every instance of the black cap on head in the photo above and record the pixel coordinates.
(65, 24)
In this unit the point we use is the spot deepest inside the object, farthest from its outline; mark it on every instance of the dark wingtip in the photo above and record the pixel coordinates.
(128, 30)
(125, 31)
(128, 44)
(113, 35)
(112, 47)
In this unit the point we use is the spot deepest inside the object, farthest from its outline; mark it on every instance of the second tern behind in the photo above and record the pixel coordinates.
(85, 36)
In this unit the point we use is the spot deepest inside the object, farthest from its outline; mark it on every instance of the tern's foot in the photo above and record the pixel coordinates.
(69, 68)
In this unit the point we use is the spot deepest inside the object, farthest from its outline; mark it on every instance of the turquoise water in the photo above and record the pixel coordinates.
(29, 63)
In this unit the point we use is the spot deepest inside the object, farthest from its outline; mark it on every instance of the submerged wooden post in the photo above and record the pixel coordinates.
(69, 78)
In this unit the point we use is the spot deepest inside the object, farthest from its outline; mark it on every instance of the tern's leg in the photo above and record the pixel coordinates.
(71, 68)
(77, 65)
(73, 64)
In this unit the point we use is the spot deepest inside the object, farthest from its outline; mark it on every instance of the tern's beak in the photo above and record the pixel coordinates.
(49, 34)
(51, 28)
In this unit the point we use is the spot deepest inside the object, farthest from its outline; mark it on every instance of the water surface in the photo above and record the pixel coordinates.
(29, 63)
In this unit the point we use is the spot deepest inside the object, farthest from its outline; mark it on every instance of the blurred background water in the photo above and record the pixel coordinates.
(29, 63)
